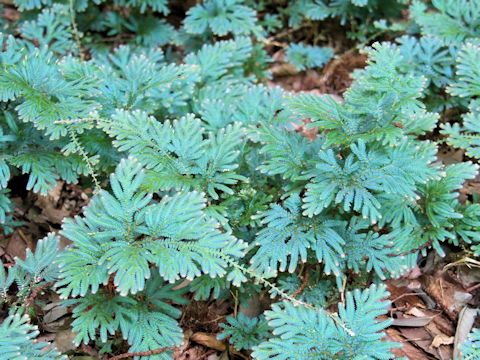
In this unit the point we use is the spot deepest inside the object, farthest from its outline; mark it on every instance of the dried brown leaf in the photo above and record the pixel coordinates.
(413, 321)
(208, 340)
(442, 340)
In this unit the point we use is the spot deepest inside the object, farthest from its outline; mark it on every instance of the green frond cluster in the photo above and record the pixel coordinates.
(138, 244)
(180, 154)
(451, 20)
(306, 57)
(301, 332)
(467, 84)
(160, 6)
(382, 104)
(221, 17)
(17, 333)
(244, 332)
(36, 269)
(17, 341)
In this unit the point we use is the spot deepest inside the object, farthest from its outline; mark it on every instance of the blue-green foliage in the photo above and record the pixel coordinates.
(139, 244)
(40, 92)
(376, 107)
(467, 226)
(467, 134)
(301, 332)
(160, 6)
(49, 93)
(221, 17)
(180, 155)
(320, 10)
(132, 233)
(27, 149)
(17, 333)
(284, 243)
(17, 341)
(51, 29)
(44, 91)
(147, 324)
(212, 156)
(307, 57)
(36, 269)
(317, 290)
(370, 168)
(244, 332)
(357, 14)
(451, 52)
(467, 84)
(31, 4)
(437, 33)
(451, 21)
(354, 182)
(39, 266)
(447, 53)
(471, 348)
(370, 171)
(357, 173)
(430, 57)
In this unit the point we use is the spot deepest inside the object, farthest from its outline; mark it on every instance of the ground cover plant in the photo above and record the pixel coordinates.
(192, 205)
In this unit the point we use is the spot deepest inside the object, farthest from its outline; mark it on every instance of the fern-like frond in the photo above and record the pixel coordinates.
(45, 94)
(221, 17)
(40, 265)
(51, 29)
(465, 135)
(301, 333)
(180, 153)
(160, 6)
(244, 332)
(288, 237)
(17, 341)
(123, 234)
(306, 57)
(467, 82)
(452, 20)
(355, 181)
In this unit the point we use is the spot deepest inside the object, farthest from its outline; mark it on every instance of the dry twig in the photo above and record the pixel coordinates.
(142, 353)
(303, 285)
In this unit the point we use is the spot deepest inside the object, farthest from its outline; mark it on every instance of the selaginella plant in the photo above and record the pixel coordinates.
(466, 135)
(126, 250)
(227, 185)
(447, 55)
(19, 286)
(364, 197)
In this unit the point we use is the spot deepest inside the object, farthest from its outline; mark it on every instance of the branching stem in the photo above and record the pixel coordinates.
(86, 158)
(75, 31)
(287, 296)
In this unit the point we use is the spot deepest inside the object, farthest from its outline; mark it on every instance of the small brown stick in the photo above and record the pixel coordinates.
(89, 350)
(35, 291)
(474, 287)
(303, 285)
(142, 353)
(24, 238)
